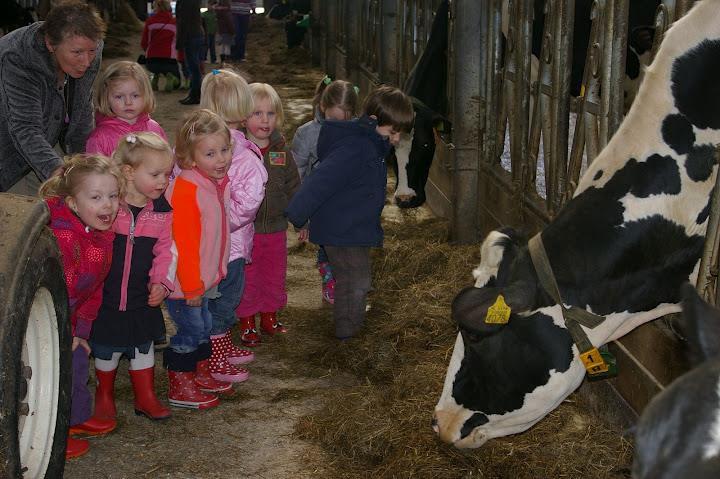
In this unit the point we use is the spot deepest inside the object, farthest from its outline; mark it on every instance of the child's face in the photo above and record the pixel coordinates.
(212, 155)
(126, 101)
(95, 200)
(337, 113)
(388, 131)
(150, 177)
(262, 122)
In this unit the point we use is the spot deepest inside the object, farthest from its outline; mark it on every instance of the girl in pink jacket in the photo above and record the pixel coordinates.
(142, 274)
(227, 94)
(123, 103)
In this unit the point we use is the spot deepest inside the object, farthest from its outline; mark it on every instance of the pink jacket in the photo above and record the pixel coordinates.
(142, 255)
(201, 232)
(109, 129)
(247, 189)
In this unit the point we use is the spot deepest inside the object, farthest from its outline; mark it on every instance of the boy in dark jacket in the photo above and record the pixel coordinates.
(344, 196)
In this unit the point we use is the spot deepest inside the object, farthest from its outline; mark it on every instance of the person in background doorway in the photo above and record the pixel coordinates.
(48, 69)
(191, 38)
(241, 11)
(158, 41)
(210, 24)
(226, 30)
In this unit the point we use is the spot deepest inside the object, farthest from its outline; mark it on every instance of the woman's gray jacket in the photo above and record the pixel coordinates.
(33, 110)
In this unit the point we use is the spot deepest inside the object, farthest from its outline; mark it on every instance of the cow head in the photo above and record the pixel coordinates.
(501, 376)
(678, 434)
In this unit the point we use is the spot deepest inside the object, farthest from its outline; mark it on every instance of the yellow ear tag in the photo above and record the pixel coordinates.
(498, 313)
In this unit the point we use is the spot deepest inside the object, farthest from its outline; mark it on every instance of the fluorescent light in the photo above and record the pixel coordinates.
(203, 10)
(259, 10)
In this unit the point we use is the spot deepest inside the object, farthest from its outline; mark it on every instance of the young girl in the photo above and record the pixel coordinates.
(343, 199)
(123, 102)
(141, 275)
(334, 100)
(83, 202)
(201, 233)
(227, 94)
(265, 275)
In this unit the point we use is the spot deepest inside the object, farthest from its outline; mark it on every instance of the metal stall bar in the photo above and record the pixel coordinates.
(617, 34)
(552, 102)
(465, 117)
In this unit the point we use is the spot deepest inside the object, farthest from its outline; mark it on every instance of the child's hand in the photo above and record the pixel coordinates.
(194, 302)
(158, 292)
(78, 341)
(303, 235)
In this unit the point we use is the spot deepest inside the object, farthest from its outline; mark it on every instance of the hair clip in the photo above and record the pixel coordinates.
(357, 89)
(131, 138)
(327, 80)
(216, 72)
(66, 170)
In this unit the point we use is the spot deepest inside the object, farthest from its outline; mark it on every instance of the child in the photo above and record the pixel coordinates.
(83, 202)
(123, 102)
(344, 197)
(141, 275)
(201, 234)
(226, 29)
(227, 94)
(334, 100)
(210, 25)
(265, 275)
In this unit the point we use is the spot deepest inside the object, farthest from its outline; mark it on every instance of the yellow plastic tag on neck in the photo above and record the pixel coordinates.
(498, 313)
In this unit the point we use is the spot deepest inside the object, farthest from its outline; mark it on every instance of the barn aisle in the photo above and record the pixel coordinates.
(317, 408)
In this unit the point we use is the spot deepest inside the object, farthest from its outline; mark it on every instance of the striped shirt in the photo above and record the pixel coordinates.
(240, 7)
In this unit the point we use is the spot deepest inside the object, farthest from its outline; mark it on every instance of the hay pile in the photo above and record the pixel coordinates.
(379, 425)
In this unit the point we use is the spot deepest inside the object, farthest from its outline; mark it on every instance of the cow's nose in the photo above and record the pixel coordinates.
(434, 424)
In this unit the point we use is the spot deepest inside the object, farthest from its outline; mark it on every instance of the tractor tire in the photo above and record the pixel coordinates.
(35, 343)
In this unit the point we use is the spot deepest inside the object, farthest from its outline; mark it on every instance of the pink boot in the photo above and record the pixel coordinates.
(220, 368)
(232, 353)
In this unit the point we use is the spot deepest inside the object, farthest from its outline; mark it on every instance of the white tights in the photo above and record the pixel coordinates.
(140, 361)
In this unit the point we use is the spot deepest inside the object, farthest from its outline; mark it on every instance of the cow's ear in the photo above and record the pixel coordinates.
(701, 324)
(480, 311)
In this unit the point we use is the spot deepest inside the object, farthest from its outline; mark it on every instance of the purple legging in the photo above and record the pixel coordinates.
(81, 406)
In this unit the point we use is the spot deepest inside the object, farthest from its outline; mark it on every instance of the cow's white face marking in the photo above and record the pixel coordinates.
(491, 254)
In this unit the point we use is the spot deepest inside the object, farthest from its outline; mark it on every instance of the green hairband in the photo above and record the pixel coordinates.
(327, 80)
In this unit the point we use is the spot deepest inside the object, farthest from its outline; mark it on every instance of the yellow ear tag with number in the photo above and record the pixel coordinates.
(498, 313)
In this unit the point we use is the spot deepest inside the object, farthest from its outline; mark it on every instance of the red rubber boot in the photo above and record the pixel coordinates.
(183, 392)
(105, 394)
(146, 402)
(205, 381)
(248, 334)
(76, 447)
(270, 325)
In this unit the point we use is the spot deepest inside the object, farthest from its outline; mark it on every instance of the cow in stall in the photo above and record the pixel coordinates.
(427, 82)
(621, 248)
(678, 434)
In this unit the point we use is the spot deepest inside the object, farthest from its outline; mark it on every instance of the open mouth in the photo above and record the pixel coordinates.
(105, 219)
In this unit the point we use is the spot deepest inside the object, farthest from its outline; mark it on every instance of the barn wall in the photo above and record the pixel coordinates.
(476, 180)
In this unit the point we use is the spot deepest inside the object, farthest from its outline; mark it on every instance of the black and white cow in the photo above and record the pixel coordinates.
(622, 248)
(678, 434)
(427, 83)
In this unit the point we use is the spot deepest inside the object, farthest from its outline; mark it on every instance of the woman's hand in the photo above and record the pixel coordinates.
(303, 235)
(78, 341)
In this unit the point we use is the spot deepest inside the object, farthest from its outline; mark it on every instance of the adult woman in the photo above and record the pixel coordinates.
(158, 41)
(47, 73)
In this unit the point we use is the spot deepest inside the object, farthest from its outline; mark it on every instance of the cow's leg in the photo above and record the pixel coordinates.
(402, 153)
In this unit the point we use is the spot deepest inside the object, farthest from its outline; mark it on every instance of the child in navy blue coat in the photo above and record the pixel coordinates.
(345, 194)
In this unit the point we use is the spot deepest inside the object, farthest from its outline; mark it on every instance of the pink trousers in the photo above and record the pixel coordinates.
(265, 275)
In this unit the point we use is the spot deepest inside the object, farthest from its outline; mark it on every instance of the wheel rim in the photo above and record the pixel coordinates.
(38, 396)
